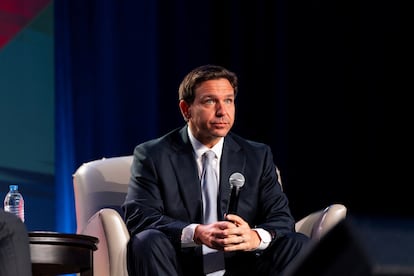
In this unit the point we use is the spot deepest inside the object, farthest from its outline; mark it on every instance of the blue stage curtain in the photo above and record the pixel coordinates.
(335, 72)
(119, 65)
(324, 70)
(106, 94)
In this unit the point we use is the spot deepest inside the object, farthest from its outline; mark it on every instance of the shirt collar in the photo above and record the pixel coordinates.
(200, 149)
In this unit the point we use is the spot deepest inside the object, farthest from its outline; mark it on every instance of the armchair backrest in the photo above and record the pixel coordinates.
(100, 184)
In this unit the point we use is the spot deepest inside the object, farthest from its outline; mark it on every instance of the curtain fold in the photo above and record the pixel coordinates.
(64, 126)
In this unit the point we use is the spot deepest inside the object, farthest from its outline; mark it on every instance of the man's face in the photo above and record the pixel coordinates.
(211, 115)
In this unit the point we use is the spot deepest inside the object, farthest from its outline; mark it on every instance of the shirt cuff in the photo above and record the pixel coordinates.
(265, 238)
(187, 236)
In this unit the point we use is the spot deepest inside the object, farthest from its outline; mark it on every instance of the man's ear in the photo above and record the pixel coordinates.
(185, 110)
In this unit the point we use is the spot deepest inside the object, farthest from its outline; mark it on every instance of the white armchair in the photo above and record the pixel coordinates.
(100, 187)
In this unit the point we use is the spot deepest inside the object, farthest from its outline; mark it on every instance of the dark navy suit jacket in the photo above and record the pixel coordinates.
(164, 192)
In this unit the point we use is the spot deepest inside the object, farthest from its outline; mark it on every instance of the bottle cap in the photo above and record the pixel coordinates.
(14, 187)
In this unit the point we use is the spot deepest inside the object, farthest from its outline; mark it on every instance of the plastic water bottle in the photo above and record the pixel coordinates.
(14, 202)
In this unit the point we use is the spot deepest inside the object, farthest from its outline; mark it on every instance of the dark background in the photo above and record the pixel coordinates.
(325, 83)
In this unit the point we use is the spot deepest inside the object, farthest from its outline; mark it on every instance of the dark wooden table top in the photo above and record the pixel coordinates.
(54, 253)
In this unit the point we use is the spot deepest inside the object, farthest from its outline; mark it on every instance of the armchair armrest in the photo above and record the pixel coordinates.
(111, 256)
(317, 224)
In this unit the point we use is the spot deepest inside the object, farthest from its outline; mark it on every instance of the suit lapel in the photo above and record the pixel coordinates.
(233, 160)
(186, 172)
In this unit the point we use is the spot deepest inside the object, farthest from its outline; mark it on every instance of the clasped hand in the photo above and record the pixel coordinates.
(230, 235)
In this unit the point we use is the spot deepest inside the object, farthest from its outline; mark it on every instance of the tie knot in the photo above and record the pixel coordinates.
(209, 155)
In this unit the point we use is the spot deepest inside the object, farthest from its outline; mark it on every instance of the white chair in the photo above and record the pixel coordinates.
(100, 187)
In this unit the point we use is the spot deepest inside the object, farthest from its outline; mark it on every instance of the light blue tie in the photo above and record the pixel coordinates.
(210, 187)
(213, 259)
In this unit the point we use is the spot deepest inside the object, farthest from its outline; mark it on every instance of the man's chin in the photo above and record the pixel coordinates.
(220, 133)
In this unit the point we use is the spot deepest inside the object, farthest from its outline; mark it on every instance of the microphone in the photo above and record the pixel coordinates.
(236, 181)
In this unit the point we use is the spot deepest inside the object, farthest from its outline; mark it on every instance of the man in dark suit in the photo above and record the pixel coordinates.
(164, 209)
(14, 246)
